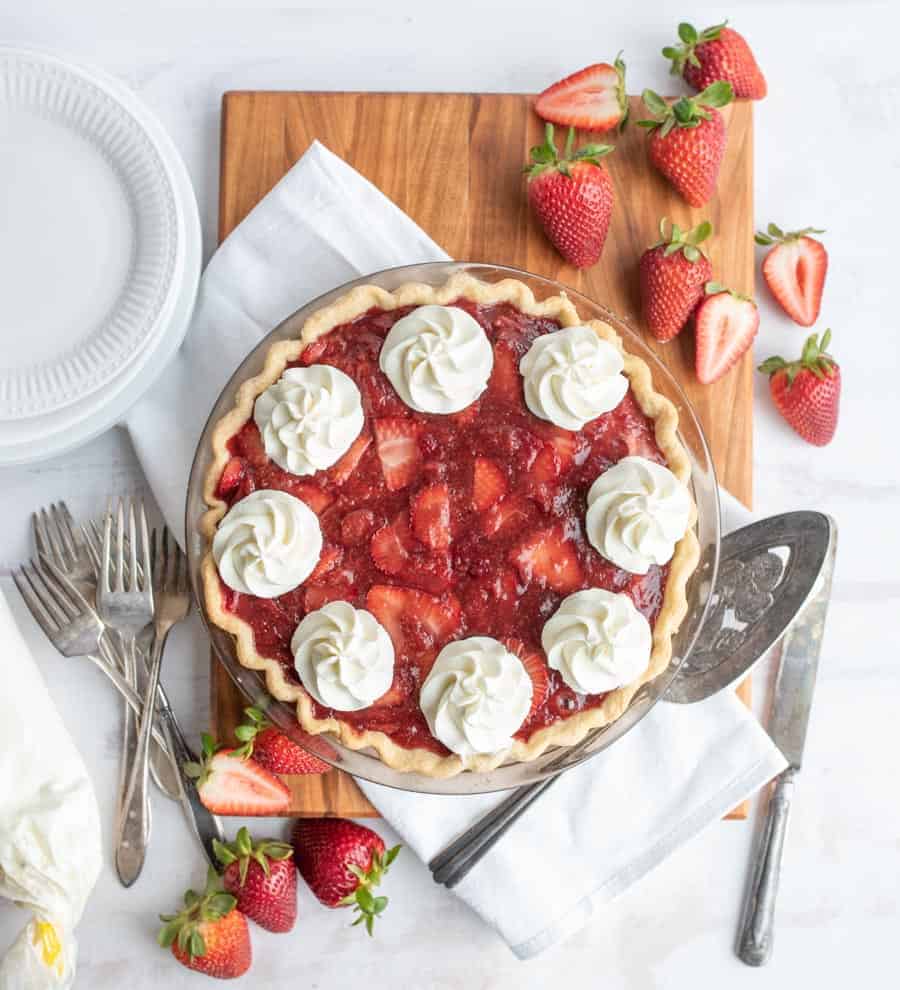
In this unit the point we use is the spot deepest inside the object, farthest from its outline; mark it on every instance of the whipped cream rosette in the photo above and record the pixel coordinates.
(637, 511)
(438, 358)
(267, 544)
(309, 418)
(476, 696)
(597, 640)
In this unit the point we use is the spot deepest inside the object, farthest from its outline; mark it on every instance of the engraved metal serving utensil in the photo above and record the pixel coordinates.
(791, 707)
(767, 573)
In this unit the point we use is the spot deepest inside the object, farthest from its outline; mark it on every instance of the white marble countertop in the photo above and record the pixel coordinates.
(826, 154)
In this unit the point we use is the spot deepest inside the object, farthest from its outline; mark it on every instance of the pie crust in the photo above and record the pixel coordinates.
(565, 731)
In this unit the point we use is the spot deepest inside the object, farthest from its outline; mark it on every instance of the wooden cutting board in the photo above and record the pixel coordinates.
(453, 162)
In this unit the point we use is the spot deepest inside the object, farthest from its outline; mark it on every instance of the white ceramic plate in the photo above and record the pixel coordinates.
(102, 252)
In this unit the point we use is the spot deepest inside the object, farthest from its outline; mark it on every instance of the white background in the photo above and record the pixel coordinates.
(827, 154)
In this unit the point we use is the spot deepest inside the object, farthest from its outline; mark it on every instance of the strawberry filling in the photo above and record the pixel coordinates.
(445, 527)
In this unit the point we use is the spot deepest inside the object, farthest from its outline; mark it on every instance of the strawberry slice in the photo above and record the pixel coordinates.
(488, 483)
(413, 619)
(430, 510)
(248, 443)
(392, 544)
(794, 271)
(592, 99)
(313, 351)
(231, 477)
(726, 324)
(396, 441)
(509, 514)
(328, 560)
(229, 785)
(341, 471)
(547, 558)
(308, 492)
(318, 595)
(505, 381)
(556, 457)
(358, 526)
(533, 661)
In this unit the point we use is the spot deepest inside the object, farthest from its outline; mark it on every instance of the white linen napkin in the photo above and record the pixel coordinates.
(682, 768)
(49, 823)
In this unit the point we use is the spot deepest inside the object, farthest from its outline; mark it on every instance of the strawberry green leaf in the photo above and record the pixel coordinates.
(717, 94)
(687, 33)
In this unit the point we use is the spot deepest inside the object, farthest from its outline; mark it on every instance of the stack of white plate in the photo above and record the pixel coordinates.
(100, 253)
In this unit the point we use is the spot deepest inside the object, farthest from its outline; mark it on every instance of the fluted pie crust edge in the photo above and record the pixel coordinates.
(565, 732)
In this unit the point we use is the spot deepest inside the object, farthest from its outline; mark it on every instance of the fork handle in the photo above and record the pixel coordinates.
(134, 815)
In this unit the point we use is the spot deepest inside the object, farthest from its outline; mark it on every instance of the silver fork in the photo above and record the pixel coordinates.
(59, 539)
(125, 604)
(171, 602)
(74, 628)
(69, 621)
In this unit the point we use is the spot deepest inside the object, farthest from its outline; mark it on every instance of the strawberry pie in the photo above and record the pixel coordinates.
(451, 525)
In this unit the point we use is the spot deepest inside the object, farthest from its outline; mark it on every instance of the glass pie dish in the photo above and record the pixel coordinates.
(366, 764)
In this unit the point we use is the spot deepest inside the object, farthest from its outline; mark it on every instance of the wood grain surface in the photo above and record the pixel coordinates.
(453, 162)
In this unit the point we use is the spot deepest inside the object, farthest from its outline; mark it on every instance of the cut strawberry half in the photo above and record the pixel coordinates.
(229, 785)
(592, 99)
(726, 326)
(795, 271)
(231, 477)
(392, 545)
(414, 619)
(329, 558)
(430, 511)
(556, 457)
(341, 472)
(488, 483)
(396, 441)
(547, 558)
(509, 514)
(534, 663)
(358, 526)
(505, 381)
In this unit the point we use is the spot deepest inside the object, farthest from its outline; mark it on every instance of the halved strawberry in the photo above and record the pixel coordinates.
(248, 443)
(231, 477)
(488, 483)
(533, 661)
(505, 381)
(391, 545)
(508, 514)
(430, 512)
(313, 351)
(341, 471)
(397, 443)
(358, 526)
(549, 559)
(329, 558)
(230, 785)
(795, 270)
(414, 619)
(726, 324)
(592, 99)
(556, 457)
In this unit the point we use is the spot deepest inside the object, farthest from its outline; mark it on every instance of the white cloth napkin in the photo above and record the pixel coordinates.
(682, 768)
(49, 822)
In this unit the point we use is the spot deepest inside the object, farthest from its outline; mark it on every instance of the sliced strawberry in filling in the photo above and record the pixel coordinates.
(534, 663)
(344, 468)
(488, 483)
(231, 477)
(396, 441)
(430, 510)
(509, 514)
(549, 559)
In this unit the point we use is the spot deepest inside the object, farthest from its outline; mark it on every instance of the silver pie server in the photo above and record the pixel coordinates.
(791, 708)
(767, 573)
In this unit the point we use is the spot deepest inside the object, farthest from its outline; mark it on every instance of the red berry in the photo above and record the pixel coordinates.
(592, 99)
(263, 879)
(726, 326)
(717, 53)
(795, 271)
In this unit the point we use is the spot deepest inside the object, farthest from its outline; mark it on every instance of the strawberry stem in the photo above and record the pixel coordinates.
(183, 927)
(243, 849)
(545, 157)
(685, 241)
(687, 111)
(691, 39)
(775, 235)
(814, 358)
(364, 902)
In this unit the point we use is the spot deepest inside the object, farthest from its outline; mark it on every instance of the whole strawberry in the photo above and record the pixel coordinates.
(673, 273)
(687, 140)
(273, 749)
(263, 879)
(807, 392)
(342, 862)
(572, 197)
(208, 934)
(714, 54)
(795, 271)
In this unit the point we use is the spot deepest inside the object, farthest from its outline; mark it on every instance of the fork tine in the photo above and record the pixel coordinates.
(66, 544)
(147, 569)
(171, 560)
(41, 536)
(39, 586)
(58, 550)
(133, 583)
(68, 527)
(120, 546)
(92, 540)
(74, 597)
(107, 539)
(58, 586)
(41, 616)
